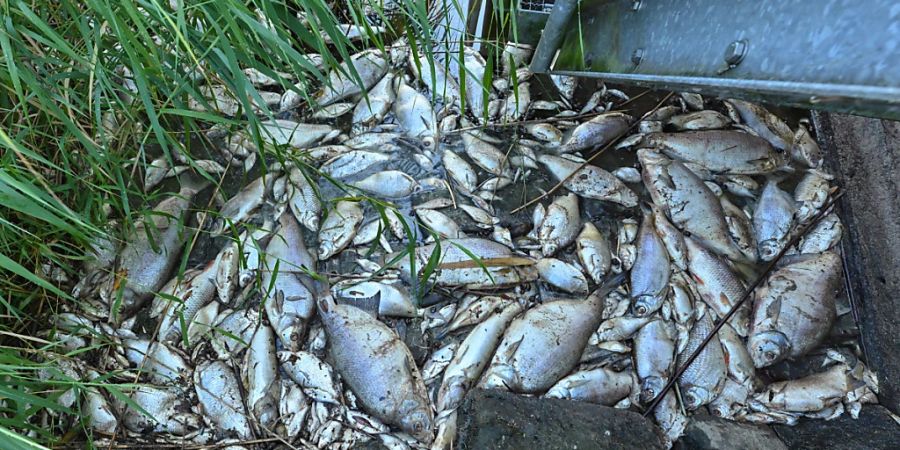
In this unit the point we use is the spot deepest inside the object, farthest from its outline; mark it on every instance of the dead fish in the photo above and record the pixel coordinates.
(545, 343)
(434, 76)
(167, 412)
(354, 32)
(602, 386)
(824, 236)
(628, 174)
(688, 202)
(729, 152)
(692, 100)
(740, 364)
(155, 172)
(333, 111)
(481, 217)
(560, 225)
(718, 286)
(239, 208)
(700, 120)
(593, 251)
(233, 331)
(388, 184)
(378, 368)
(704, 378)
(149, 256)
(375, 105)
(772, 221)
(439, 223)
(304, 200)
(369, 65)
(650, 273)
(669, 417)
(381, 141)
(473, 356)
(476, 92)
(565, 85)
(290, 296)
(486, 156)
(817, 392)
(654, 354)
(438, 361)
(517, 103)
(795, 308)
(260, 377)
(460, 171)
(811, 194)
(804, 149)
(740, 185)
(393, 300)
(562, 276)
(314, 376)
(460, 252)
(589, 181)
(765, 124)
(194, 293)
(165, 364)
(339, 228)
(732, 399)
(671, 237)
(619, 328)
(352, 163)
(415, 114)
(220, 398)
(545, 132)
(295, 135)
(475, 311)
(597, 132)
(293, 408)
(514, 55)
(740, 227)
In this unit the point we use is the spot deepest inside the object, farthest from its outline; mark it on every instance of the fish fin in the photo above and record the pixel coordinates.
(367, 304)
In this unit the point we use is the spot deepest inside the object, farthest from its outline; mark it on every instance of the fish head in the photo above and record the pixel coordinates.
(768, 249)
(723, 409)
(416, 419)
(768, 347)
(650, 388)
(646, 304)
(696, 396)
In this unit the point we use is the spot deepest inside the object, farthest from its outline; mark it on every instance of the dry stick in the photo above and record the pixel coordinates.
(593, 157)
(756, 283)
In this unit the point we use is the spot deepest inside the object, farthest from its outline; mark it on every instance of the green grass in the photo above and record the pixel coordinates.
(85, 90)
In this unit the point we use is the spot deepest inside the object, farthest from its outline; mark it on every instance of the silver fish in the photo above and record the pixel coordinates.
(339, 228)
(98, 412)
(565, 85)
(476, 95)
(718, 286)
(294, 134)
(165, 408)
(314, 376)
(486, 156)
(602, 386)
(244, 203)
(824, 236)
(393, 300)
(473, 356)
(628, 174)
(619, 328)
(740, 364)
(560, 225)
(439, 223)
(650, 273)
(654, 354)
(233, 329)
(794, 310)
(304, 200)
(772, 221)
(804, 149)
(731, 400)
(260, 377)
(149, 257)
(688, 202)
(155, 172)
(811, 194)
(352, 163)
(164, 364)
(517, 103)
(763, 123)
(740, 227)
(415, 114)
(545, 132)
(700, 120)
(593, 252)
(370, 67)
(290, 296)
(670, 418)
(671, 237)
(375, 105)
(194, 294)
(820, 394)
(597, 132)
(333, 111)
(514, 55)
(378, 368)
(293, 408)
(220, 398)
(438, 361)
(704, 378)
(388, 184)
(719, 151)
(545, 343)
(460, 171)
(589, 181)
(432, 74)
(562, 276)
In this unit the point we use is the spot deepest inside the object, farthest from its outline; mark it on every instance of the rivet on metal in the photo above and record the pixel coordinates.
(637, 56)
(736, 52)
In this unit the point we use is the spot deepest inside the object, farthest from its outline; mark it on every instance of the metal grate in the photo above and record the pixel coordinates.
(541, 6)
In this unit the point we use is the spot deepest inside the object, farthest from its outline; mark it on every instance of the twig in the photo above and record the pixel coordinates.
(592, 158)
(756, 283)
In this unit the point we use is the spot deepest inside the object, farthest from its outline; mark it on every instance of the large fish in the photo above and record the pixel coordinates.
(597, 132)
(369, 65)
(220, 398)
(378, 368)
(730, 152)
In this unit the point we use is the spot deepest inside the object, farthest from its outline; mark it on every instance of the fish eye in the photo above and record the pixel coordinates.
(769, 355)
(418, 426)
(640, 310)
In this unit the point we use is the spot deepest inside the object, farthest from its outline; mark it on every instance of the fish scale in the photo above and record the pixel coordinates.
(707, 372)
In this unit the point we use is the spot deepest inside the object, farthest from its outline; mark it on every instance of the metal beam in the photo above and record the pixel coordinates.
(839, 55)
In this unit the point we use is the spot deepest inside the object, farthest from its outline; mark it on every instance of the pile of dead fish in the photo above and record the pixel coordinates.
(307, 326)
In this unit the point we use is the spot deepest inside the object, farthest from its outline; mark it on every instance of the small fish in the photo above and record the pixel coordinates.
(601, 386)
(804, 149)
(486, 156)
(476, 93)
(560, 225)
(818, 392)
(619, 328)
(295, 135)
(718, 286)
(565, 85)
(438, 361)
(545, 132)
(378, 368)
(795, 308)
(476, 311)
(740, 228)
(333, 111)
(516, 104)
(772, 221)
(352, 163)
(562, 276)
(514, 55)
(194, 293)
(593, 252)
(166, 412)
(589, 181)
(650, 273)
(314, 376)
(339, 228)
(704, 378)
(393, 300)
(440, 223)
(434, 76)
(239, 208)
(220, 398)
(289, 294)
(628, 174)
(293, 408)
(260, 377)
(824, 236)
(597, 132)
(415, 114)
(304, 201)
(460, 172)
(765, 124)
(740, 364)
(811, 194)
(370, 67)
(375, 105)
(654, 355)
(700, 120)
(669, 417)
(388, 184)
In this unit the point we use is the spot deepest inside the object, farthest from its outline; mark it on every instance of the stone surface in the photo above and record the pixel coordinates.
(500, 420)
(874, 430)
(708, 432)
(864, 154)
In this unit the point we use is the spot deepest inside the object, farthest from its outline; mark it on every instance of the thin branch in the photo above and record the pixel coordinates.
(593, 157)
(750, 289)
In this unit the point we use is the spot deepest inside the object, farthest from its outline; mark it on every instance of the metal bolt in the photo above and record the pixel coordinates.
(736, 52)
(636, 5)
(637, 56)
